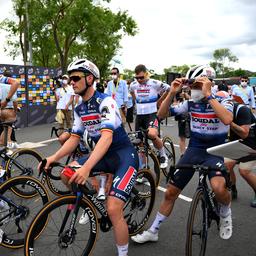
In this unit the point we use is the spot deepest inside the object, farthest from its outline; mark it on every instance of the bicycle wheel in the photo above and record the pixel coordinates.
(55, 183)
(197, 226)
(53, 241)
(139, 207)
(170, 152)
(20, 211)
(154, 166)
(23, 162)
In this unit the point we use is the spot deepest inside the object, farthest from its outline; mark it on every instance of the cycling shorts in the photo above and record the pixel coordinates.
(146, 121)
(180, 177)
(123, 164)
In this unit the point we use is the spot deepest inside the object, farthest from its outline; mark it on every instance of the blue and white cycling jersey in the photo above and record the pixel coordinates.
(100, 113)
(207, 130)
(147, 95)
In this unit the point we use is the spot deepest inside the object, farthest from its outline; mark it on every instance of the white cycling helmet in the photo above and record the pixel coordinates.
(85, 66)
(201, 70)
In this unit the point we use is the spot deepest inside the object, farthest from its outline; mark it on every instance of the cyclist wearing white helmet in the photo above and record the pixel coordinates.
(210, 121)
(100, 116)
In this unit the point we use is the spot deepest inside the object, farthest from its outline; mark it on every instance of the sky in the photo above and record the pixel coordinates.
(179, 32)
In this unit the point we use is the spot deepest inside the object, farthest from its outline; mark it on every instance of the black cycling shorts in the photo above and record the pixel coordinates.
(146, 121)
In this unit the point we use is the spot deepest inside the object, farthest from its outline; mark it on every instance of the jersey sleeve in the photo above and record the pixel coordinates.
(5, 80)
(228, 104)
(109, 114)
(179, 109)
(78, 126)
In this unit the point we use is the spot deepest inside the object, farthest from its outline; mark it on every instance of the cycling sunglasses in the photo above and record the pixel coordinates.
(75, 78)
(139, 77)
(244, 80)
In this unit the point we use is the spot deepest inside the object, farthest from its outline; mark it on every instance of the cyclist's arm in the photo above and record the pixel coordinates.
(241, 130)
(165, 106)
(14, 85)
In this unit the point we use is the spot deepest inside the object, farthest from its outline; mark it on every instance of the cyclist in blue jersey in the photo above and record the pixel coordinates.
(99, 115)
(210, 121)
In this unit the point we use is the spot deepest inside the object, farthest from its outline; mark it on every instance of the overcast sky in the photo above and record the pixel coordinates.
(180, 32)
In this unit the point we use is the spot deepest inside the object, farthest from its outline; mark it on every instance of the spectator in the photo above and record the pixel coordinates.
(130, 105)
(118, 90)
(245, 92)
(223, 86)
(65, 97)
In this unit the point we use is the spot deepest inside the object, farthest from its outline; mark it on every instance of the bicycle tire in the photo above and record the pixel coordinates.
(31, 243)
(197, 198)
(8, 240)
(156, 167)
(59, 189)
(136, 205)
(170, 152)
(16, 162)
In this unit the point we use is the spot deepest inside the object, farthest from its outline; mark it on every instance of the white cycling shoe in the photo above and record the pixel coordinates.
(84, 219)
(146, 236)
(163, 162)
(101, 195)
(226, 227)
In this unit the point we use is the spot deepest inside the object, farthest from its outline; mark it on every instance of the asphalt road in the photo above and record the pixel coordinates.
(173, 232)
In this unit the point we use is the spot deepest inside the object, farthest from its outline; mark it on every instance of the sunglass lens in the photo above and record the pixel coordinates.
(75, 78)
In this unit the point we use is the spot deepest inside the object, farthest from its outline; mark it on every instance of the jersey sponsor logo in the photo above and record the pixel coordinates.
(209, 118)
(127, 181)
(89, 120)
(143, 90)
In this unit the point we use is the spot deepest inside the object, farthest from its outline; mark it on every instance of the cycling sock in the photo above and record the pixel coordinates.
(122, 250)
(225, 210)
(162, 151)
(103, 179)
(157, 222)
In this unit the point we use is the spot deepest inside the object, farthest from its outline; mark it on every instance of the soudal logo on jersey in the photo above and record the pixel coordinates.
(205, 118)
(126, 183)
(91, 119)
(143, 90)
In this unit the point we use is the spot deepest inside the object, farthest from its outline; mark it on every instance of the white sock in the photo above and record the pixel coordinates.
(103, 179)
(162, 151)
(225, 210)
(122, 250)
(157, 222)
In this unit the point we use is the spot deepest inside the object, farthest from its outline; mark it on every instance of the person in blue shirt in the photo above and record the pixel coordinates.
(118, 90)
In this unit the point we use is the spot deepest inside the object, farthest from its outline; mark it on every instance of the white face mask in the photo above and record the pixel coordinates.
(64, 81)
(244, 84)
(196, 95)
(114, 77)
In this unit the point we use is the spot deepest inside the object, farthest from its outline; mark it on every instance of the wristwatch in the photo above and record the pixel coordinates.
(211, 97)
(7, 99)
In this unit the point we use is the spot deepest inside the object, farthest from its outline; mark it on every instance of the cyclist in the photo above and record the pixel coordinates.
(99, 115)
(210, 121)
(242, 128)
(145, 92)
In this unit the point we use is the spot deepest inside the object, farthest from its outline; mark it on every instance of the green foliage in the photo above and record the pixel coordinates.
(222, 59)
(61, 30)
(177, 69)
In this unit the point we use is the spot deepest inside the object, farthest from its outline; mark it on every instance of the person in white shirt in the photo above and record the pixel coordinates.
(65, 97)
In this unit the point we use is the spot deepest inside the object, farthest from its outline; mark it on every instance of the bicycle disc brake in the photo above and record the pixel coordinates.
(65, 239)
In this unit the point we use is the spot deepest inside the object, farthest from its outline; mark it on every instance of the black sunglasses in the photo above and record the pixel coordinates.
(75, 78)
(242, 80)
(139, 77)
(113, 73)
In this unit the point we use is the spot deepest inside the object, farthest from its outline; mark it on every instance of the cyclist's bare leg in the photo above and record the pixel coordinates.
(249, 176)
(182, 144)
(153, 135)
(230, 164)
(115, 212)
(221, 192)
(170, 196)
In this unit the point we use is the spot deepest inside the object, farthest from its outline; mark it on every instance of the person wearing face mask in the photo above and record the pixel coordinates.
(118, 90)
(65, 97)
(245, 92)
(210, 120)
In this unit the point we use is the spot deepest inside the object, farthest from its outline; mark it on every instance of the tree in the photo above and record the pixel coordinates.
(177, 69)
(222, 59)
(61, 30)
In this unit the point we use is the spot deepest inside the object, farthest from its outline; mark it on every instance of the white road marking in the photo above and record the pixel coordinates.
(185, 198)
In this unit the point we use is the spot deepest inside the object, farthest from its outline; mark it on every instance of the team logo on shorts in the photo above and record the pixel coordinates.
(127, 182)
